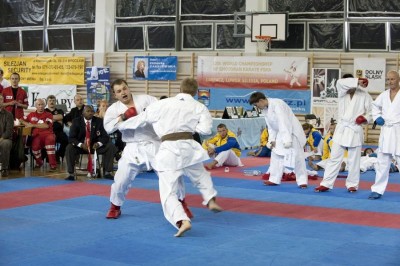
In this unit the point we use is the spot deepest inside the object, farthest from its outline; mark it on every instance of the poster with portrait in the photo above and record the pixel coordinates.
(325, 96)
(155, 67)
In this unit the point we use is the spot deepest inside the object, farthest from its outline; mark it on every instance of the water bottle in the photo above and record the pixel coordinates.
(252, 172)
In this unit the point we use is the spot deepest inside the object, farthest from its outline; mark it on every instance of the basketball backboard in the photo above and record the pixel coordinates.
(269, 24)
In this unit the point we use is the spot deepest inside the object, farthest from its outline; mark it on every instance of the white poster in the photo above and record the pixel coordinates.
(374, 69)
(64, 94)
(325, 96)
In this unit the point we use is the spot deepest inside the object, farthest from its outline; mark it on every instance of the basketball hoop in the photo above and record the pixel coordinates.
(263, 43)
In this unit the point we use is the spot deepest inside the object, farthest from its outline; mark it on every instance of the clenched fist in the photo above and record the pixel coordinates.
(131, 112)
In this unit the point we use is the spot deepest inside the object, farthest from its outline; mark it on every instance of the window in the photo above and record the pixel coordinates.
(32, 40)
(325, 36)
(83, 38)
(161, 37)
(225, 38)
(367, 36)
(59, 39)
(9, 41)
(197, 36)
(295, 40)
(130, 38)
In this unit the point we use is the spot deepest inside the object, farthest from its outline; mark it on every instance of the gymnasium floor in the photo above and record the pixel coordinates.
(49, 221)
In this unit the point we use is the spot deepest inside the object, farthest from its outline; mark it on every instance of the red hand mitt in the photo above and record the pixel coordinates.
(131, 112)
(361, 120)
(364, 81)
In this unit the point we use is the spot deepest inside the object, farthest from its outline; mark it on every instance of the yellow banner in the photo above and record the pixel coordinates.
(46, 70)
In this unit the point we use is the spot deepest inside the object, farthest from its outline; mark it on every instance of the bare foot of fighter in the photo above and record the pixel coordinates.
(312, 164)
(185, 226)
(211, 165)
(213, 206)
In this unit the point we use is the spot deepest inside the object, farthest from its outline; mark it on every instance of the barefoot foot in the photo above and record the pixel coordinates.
(185, 226)
(213, 206)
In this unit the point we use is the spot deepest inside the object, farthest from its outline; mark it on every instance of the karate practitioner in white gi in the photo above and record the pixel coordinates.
(386, 113)
(353, 112)
(141, 145)
(285, 132)
(175, 120)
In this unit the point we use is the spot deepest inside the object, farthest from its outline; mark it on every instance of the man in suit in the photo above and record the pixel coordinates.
(99, 141)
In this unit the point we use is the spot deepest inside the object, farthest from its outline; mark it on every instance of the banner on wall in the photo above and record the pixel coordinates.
(374, 69)
(155, 67)
(45, 70)
(64, 94)
(325, 95)
(229, 81)
(97, 84)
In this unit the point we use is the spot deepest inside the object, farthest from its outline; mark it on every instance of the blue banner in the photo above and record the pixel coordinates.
(155, 67)
(98, 85)
(217, 99)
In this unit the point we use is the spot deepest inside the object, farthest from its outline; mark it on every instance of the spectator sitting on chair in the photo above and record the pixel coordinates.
(15, 98)
(99, 141)
(74, 113)
(225, 147)
(58, 126)
(314, 140)
(263, 150)
(41, 123)
(6, 130)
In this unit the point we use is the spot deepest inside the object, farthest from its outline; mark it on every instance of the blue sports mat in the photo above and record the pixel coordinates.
(75, 232)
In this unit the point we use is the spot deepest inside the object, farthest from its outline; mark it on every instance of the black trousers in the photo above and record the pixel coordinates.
(108, 151)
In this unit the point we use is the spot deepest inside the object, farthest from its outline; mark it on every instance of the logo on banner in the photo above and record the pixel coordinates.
(203, 96)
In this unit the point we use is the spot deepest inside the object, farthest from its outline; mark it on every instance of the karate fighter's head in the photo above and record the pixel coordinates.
(392, 80)
(368, 151)
(121, 91)
(189, 86)
(40, 104)
(259, 100)
(222, 130)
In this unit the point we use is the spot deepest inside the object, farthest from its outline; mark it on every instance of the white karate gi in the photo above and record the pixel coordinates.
(389, 139)
(283, 127)
(174, 159)
(141, 147)
(367, 163)
(347, 133)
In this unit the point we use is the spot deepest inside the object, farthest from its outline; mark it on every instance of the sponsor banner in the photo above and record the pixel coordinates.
(64, 94)
(229, 81)
(374, 69)
(155, 67)
(218, 99)
(45, 70)
(252, 72)
(325, 96)
(98, 85)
